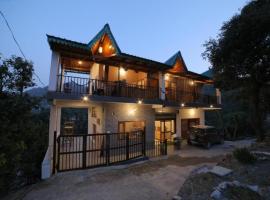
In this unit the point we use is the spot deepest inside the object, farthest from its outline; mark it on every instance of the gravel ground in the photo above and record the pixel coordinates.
(155, 179)
(200, 186)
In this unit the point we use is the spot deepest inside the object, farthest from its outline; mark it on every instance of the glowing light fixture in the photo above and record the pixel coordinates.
(211, 106)
(85, 98)
(192, 112)
(110, 46)
(132, 111)
(79, 62)
(122, 72)
(100, 49)
(182, 104)
(139, 101)
(191, 82)
(166, 77)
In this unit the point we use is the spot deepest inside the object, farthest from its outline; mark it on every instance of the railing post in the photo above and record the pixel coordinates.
(108, 149)
(84, 152)
(165, 145)
(58, 152)
(127, 146)
(143, 143)
(54, 151)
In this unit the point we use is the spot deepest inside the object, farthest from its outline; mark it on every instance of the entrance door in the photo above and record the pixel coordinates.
(164, 129)
(186, 124)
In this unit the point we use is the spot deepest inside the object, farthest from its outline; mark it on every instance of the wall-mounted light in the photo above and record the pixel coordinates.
(182, 104)
(211, 106)
(122, 72)
(167, 77)
(192, 112)
(139, 101)
(100, 49)
(132, 111)
(85, 98)
(79, 62)
(110, 46)
(191, 82)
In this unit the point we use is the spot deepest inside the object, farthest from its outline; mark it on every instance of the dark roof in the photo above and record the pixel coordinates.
(171, 61)
(208, 73)
(62, 43)
(106, 29)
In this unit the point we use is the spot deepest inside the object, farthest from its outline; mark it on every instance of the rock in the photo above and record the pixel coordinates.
(261, 153)
(216, 195)
(220, 171)
(201, 170)
(254, 188)
(176, 197)
(236, 183)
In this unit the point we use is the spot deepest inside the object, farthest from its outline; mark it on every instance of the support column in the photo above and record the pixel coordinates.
(178, 124)
(55, 122)
(54, 70)
(218, 93)
(162, 86)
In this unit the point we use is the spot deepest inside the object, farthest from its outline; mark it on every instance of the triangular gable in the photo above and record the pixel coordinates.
(106, 41)
(177, 62)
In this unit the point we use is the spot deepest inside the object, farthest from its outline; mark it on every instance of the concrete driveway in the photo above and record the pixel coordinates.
(154, 179)
(215, 150)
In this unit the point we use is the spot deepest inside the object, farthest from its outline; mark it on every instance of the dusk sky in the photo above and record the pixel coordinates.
(153, 29)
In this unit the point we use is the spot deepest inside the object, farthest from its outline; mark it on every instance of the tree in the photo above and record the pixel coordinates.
(23, 126)
(16, 74)
(240, 58)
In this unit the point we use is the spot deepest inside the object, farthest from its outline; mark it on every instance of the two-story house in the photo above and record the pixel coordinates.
(122, 92)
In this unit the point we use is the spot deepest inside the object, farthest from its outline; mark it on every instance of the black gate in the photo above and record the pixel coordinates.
(77, 151)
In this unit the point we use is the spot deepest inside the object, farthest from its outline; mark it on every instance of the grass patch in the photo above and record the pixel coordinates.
(236, 193)
(244, 156)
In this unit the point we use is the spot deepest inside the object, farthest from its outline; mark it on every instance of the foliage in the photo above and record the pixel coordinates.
(16, 74)
(244, 156)
(23, 130)
(240, 59)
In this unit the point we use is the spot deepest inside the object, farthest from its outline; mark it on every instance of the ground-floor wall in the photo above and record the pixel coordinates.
(105, 118)
(121, 112)
(188, 113)
(102, 118)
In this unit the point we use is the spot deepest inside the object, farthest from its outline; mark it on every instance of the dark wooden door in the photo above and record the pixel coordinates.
(186, 124)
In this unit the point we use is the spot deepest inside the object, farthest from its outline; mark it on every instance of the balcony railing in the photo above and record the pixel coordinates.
(78, 85)
(174, 95)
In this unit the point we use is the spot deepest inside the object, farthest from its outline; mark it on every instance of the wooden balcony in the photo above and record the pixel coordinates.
(81, 86)
(173, 95)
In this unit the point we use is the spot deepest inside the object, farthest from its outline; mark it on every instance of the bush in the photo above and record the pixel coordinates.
(244, 156)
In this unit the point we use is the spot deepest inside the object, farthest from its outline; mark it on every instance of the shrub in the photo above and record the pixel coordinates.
(244, 156)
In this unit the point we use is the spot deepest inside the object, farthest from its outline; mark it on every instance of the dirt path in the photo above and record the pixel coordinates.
(159, 179)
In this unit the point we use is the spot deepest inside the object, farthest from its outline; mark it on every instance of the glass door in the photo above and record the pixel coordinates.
(164, 129)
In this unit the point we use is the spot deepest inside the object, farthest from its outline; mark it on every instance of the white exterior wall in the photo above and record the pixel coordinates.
(55, 121)
(188, 113)
(55, 64)
(115, 112)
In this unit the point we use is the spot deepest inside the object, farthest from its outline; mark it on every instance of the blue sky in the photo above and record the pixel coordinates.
(153, 29)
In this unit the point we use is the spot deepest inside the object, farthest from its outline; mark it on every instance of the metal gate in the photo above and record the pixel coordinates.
(77, 151)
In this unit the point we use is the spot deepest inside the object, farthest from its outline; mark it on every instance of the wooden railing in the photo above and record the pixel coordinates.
(78, 85)
(174, 95)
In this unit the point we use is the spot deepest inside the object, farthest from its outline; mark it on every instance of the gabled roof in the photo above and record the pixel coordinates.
(105, 30)
(174, 64)
(62, 41)
(172, 60)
